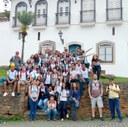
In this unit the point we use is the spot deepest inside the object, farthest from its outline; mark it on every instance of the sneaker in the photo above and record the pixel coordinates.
(54, 119)
(62, 119)
(101, 118)
(112, 119)
(13, 94)
(67, 116)
(5, 94)
(48, 119)
(120, 120)
(18, 94)
(92, 118)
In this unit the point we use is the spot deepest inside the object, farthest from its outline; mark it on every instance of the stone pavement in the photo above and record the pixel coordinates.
(67, 123)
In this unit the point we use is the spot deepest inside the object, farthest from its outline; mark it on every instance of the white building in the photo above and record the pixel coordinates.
(101, 24)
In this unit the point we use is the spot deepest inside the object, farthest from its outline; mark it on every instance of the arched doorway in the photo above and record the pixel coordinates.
(48, 44)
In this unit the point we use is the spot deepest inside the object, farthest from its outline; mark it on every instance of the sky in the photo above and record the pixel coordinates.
(2, 7)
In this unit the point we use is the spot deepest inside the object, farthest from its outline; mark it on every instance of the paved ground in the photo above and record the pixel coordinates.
(95, 123)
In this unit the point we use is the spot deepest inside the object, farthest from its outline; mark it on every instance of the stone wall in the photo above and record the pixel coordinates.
(85, 105)
(10, 106)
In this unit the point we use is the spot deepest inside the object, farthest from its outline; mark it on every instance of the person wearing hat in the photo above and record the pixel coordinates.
(113, 100)
(16, 60)
(51, 108)
(11, 78)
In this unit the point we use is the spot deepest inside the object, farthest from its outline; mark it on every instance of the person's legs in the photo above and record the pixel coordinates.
(34, 109)
(65, 107)
(100, 105)
(54, 113)
(81, 86)
(98, 72)
(14, 87)
(40, 103)
(31, 108)
(87, 80)
(93, 106)
(18, 87)
(45, 104)
(61, 110)
(117, 105)
(5, 86)
(112, 107)
(48, 114)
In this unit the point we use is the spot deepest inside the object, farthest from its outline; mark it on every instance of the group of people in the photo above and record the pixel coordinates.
(53, 80)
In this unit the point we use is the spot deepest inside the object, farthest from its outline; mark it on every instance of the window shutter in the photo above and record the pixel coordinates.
(88, 5)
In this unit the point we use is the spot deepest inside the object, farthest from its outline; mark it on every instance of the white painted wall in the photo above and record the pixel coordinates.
(89, 36)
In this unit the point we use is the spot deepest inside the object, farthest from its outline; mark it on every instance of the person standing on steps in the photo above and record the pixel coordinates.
(113, 100)
(95, 91)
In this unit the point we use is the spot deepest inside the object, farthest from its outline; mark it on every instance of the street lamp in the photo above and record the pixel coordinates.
(6, 2)
(61, 37)
(30, 2)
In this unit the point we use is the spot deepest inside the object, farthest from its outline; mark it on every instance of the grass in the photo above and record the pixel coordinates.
(13, 118)
(3, 72)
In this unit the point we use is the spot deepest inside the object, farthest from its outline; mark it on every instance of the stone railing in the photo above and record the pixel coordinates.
(11, 106)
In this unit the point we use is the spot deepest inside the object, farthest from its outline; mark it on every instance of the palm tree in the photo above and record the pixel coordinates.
(25, 18)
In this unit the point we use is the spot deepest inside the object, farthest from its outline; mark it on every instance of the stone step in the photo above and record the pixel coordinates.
(40, 115)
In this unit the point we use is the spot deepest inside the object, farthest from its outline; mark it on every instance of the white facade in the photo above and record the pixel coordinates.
(88, 34)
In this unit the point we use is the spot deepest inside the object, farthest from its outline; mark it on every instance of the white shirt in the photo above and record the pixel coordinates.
(23, 75)
(85, 73)
(74, 73)
(12, 75)
(63, 95)
(47, 81)
(58, 87)
(52, 66)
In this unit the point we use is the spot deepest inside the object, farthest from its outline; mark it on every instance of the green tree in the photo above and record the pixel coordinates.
(25, 18)
(7, 14)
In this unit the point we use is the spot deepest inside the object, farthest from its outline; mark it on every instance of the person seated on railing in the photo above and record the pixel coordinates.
(23, 80)
(11, 78)
(51, 108)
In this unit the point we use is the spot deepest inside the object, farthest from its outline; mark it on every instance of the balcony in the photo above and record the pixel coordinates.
(63, 19)
(114, 15)
(40, 21)
(87, 18)
(16, 24)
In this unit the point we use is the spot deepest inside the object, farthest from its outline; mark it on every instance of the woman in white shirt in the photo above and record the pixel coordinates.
(63, 102)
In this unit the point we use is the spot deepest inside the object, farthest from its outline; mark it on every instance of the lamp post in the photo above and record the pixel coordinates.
(30, 2)
(6, 2)
(61, 37)
(22, 35)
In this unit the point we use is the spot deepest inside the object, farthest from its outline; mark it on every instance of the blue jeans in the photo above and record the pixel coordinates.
(63, 109)
(87, 80)
(75, 106)
(115, 104)
(81, 86)
(33, 107)
(53, 112)
(43, 104)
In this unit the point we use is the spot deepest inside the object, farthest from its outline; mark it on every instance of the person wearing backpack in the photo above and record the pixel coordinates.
(11, 78)
(16, 60)
(113, 100)
(33, 99)
(22, 80)
(95, 90)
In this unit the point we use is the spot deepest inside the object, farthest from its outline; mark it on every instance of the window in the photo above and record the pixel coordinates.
(41, 13)
(114, 10)
(63, 12)
(87, 11)
(105, 52)
(20, 7)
